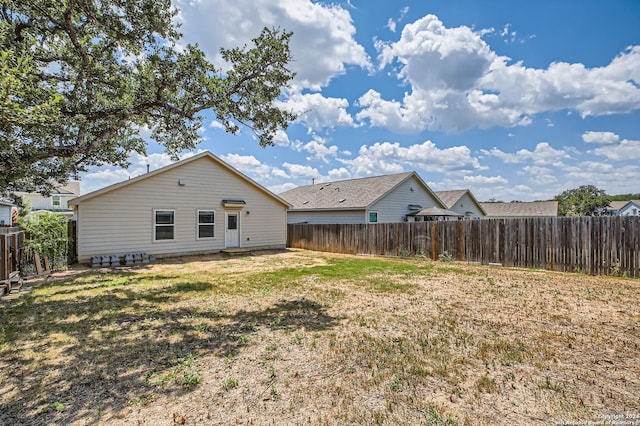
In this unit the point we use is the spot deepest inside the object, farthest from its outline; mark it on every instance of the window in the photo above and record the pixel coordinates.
(373, 217)
(164, 225)
(206, 224)
(55, 200)
(232, 222)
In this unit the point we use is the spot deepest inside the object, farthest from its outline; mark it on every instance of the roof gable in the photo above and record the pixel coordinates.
(178, 164)
(450, 198)
(350, 194)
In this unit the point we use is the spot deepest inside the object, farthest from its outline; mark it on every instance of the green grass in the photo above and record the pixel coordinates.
(229, 384)
(372, 274)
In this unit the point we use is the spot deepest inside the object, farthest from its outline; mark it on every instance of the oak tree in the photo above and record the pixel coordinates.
(587, 200)
(79, 79)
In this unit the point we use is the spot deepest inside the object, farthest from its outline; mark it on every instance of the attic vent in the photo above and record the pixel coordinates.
(342, 200)
(306, 202)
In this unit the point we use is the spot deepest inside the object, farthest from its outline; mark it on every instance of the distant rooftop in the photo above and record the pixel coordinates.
(522, 209)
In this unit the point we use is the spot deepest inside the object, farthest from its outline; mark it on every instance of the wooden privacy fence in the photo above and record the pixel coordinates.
(593, 245)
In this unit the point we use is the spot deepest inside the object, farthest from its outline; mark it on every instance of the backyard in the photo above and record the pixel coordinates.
(303, 337)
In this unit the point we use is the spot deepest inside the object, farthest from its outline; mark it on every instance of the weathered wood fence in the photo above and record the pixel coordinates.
(593, 245)
(11, 246)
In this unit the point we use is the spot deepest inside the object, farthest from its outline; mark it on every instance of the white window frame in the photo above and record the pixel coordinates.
(53, 200)
(198, 224)
(155, 225)
(369, 216)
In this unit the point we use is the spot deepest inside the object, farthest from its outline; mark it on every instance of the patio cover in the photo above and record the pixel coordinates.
(436, 211)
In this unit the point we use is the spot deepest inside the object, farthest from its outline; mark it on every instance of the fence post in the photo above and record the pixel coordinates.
(434, 240)
(461, 247)
(4, 258)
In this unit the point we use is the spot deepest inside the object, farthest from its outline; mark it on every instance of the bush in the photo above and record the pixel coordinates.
(47, 234)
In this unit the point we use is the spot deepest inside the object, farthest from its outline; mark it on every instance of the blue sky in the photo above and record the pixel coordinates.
(512, 100)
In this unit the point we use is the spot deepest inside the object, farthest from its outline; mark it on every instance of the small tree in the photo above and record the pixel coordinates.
(47, 234)
(586, 200)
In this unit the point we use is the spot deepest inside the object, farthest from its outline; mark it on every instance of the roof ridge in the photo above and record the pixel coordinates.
(350, 180)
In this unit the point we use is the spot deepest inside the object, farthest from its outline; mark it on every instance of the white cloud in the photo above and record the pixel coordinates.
(615, 179)
(298, 171)
(539, 175)
(600, 137)
(279, 189)
(434, 56)
(457, 82)
(542, 154)
(485, 179)
(388, 114)
(386, 157)
(323, 42)
(318, 149)
(215, 124)
(317, 112)
(94, 180)
(625, 150)
(281, 138)
(391, 23)
(339, 174)
(254, 168)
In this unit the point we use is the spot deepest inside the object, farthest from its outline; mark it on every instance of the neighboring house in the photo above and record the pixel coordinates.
(6, 210)
(381, 199)
(57, 202)
(462, 201)
(624, 208)
(521, 209)
(197, 205)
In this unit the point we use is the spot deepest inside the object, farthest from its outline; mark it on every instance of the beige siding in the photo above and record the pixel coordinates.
(121, 221)
(329, 216)
(394, 206)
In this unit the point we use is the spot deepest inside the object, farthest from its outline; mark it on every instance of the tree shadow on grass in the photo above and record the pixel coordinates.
(70, 357)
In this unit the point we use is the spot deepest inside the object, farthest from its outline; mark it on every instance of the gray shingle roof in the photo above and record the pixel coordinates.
(526, 209)
(450, 197)
(345, 194)
(617, 205)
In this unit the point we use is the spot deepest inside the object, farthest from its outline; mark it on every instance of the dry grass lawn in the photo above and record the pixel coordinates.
(300, 337)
